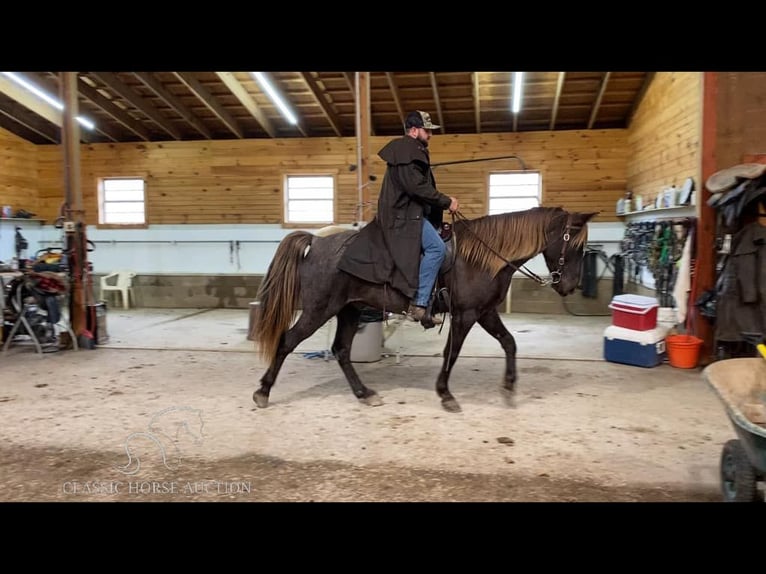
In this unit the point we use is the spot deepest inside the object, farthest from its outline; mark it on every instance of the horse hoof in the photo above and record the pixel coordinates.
(260, 399)
(509, 396)
(373, 400)
(451, 405)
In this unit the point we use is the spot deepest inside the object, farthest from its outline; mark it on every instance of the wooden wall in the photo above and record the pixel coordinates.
(18, 173)
(240, 181)
(740, 117)
(665, 135)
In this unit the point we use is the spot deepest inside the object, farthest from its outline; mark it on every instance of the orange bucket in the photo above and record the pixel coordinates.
(683, 350)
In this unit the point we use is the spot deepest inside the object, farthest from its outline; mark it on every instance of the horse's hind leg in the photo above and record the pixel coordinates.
(493, 325)
(304, 327)
(460, 324)
(348, 322)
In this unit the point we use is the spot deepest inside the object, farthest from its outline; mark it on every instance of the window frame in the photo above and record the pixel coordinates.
(102, 203)
(514, 172)
(286, 200)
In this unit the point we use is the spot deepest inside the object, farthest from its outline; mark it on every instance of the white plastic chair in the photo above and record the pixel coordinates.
(121, 281)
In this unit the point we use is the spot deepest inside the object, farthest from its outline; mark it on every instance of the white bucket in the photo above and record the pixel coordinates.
(666, 316)
(368, 343)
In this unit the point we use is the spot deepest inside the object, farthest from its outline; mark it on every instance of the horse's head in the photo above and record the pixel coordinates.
(568, 235)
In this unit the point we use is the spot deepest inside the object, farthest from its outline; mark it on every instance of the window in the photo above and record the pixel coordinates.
(122, 202)
(513, 191)
(309, 199)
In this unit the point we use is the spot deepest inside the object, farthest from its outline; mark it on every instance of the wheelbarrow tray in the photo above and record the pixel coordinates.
(741, 386)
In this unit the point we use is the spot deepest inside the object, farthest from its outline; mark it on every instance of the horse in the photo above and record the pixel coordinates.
(486, 253)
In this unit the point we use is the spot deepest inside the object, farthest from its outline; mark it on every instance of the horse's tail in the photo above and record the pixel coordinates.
(279, 294)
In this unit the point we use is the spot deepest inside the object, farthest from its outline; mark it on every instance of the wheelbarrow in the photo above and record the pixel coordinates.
(741, 385)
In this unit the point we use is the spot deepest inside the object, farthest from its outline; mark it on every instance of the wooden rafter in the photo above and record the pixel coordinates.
(111, 80)
(476, 102)
(175, 104)
(395, 94)
(597, 103)
(28, 120)
(319, 96)
(50, 82)
(111, 109)
(639, 97)
(214, 105)
(239, 91)
(557, 99)
(349, 77)
(435, 88)
(275, 86)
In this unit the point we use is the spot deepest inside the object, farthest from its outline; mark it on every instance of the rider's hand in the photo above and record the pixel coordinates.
(454, 205)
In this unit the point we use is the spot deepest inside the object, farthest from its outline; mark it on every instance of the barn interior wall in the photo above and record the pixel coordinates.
(215, 207)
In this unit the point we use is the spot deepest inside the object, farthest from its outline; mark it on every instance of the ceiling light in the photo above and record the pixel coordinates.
(271, 91)
(46, 97)
(518, 80)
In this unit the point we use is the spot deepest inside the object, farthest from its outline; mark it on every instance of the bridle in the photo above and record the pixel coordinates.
(555, 275)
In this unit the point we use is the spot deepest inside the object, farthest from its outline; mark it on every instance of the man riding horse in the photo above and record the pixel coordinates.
(410, 210)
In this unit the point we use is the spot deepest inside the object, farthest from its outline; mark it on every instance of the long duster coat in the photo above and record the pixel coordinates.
(387, 250)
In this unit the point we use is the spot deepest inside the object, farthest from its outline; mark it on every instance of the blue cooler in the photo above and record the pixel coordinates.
(639, 348)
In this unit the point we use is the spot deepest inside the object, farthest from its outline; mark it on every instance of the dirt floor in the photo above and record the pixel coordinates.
(175, 425)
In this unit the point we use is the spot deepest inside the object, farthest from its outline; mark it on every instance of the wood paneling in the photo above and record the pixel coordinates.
(741, 113)
(18, 173)
(240, 181)
(665, 136)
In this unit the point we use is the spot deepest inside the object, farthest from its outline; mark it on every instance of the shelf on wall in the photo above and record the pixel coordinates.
(691, 209)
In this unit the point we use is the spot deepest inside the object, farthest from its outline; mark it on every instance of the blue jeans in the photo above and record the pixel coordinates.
(433, 256)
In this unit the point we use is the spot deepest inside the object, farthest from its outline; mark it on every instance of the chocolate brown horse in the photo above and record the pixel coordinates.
(487, 251)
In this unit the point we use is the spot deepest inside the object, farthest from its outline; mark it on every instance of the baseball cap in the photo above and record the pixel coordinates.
(419, 119)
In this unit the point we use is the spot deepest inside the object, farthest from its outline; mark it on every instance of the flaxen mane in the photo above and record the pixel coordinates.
(516, 235)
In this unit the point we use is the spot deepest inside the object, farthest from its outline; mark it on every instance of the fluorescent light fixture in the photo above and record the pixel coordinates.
(518, 80)
(46, 97)
(263, 81)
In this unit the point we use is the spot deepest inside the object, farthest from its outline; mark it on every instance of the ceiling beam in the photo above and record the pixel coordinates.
(175, 103)
(111, 81)
(597, 103)
(112, 110)
(349, 77)
(476, 102)
(50, 82)
(206, 97)
(285, 99)
(34, 103)
(640, 97)
(319, 96)
(350, 82)
(28, 120)
(30, 101)
(244, 97)
(435, 87)
(557, 99)
(395, 93)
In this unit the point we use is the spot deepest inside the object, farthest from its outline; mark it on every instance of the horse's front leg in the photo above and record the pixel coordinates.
(460, 323)
(348, 322)
(493, 325)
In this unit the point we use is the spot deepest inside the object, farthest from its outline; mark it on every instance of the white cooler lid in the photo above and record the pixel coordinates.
(635, 300)
(644, 337)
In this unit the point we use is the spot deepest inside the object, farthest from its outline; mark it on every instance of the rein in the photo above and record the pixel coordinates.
(555, 275)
